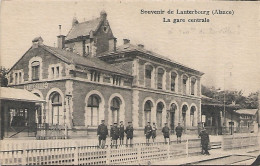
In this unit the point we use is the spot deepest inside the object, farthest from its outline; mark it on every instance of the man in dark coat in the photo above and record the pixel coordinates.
(121, 133)
(102, 133)
(148, 132)
(166, 132)
(114, 134)
(129, 133)
(204, 141)
(178, 131)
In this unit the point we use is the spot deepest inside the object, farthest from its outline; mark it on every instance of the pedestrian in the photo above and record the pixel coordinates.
(121, 133)
(179, 130)
(102, 133)
(129, 133)
(111, 141)
(114, 134)
(154, 131)
(166, 132)
(148, 132)
(204, 141)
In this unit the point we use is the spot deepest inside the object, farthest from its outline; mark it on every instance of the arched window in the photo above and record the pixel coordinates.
(148, 76)
(57, 112)
(147, 111)
(160, 74)
(173, 81)
(35, 70)
(184, 110)
(115, 108)
(184, 84)
(192, 118)
(193, 87)
(159, 110)
(93, 110)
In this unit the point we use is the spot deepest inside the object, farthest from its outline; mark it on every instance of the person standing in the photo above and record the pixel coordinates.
(166, 132)
(154, 132)
(102, 133)
(148, 132)
(179, 130)
(129, 133)
(114, 134)
(121, 133)
(204, 141)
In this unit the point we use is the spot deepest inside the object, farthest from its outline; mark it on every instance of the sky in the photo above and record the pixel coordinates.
(226, 48)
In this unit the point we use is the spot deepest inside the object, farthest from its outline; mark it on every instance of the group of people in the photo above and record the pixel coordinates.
(150, 131)
(116, 132)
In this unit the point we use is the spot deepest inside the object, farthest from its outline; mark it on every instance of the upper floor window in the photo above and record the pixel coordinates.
(193, 87)
(173, 81)
(184, 84)
(148, 75)
(55, 71)
(18, 76)
(160, 74)
(116, 80)
(95, 76)
(35, 70)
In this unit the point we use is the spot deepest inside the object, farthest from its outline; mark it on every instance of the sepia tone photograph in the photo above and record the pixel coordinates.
(138, 82)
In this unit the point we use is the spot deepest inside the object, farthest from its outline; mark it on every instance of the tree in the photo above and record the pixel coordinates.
(3, 79)
(252, 100)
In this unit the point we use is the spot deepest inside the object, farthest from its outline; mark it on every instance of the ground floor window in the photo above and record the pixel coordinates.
(115, 108)
(92, 112)
(57, 112)
(147, 111)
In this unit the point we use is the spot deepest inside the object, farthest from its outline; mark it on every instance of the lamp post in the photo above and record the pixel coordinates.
(68, 96)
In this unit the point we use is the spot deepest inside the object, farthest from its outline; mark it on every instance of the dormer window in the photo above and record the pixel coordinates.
(116, 80)
(35, 70)
(94, 76)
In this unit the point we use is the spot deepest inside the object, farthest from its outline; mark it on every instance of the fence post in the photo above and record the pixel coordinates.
(168, 150)
(108, 154)
(76, 154)
(138, 153)
(187, 147)
(24, 156)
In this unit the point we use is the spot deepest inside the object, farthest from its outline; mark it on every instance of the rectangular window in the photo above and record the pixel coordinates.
(116, 80)
(52, 72)
(57, 72)
(16, 78)
(35, 73)
(148, 73)
(95, 76)
(184, 86)
(159, 83)
(20, 77)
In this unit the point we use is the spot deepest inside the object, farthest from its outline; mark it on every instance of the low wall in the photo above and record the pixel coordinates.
(239, 142)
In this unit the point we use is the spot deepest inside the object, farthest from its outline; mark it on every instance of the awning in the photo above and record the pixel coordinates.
(247, 111)
(18, 95)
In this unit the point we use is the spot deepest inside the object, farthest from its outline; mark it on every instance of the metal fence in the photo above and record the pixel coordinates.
(76, 152)
(239, 142)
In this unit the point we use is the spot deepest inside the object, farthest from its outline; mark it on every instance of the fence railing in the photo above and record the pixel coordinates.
(239, 142)
(76, 152)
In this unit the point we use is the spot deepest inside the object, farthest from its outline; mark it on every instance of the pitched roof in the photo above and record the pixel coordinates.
(92, 62)
(18, 95)
(247, 111)
(130, 48)
(84, 28)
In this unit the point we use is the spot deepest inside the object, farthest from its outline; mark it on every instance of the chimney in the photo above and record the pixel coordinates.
(37, 41)
(74, 21)
(103, 15)
(126, 41)
(140, 46)
(61, 41)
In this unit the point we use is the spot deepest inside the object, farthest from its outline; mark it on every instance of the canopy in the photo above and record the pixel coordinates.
(18, 95)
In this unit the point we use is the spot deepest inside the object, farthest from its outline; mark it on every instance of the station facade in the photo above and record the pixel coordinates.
(88, 78)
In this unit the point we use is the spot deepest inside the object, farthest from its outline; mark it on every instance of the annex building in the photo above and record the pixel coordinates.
(88, 78)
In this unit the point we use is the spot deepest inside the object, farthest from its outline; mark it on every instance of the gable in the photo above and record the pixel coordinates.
(46, 57)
